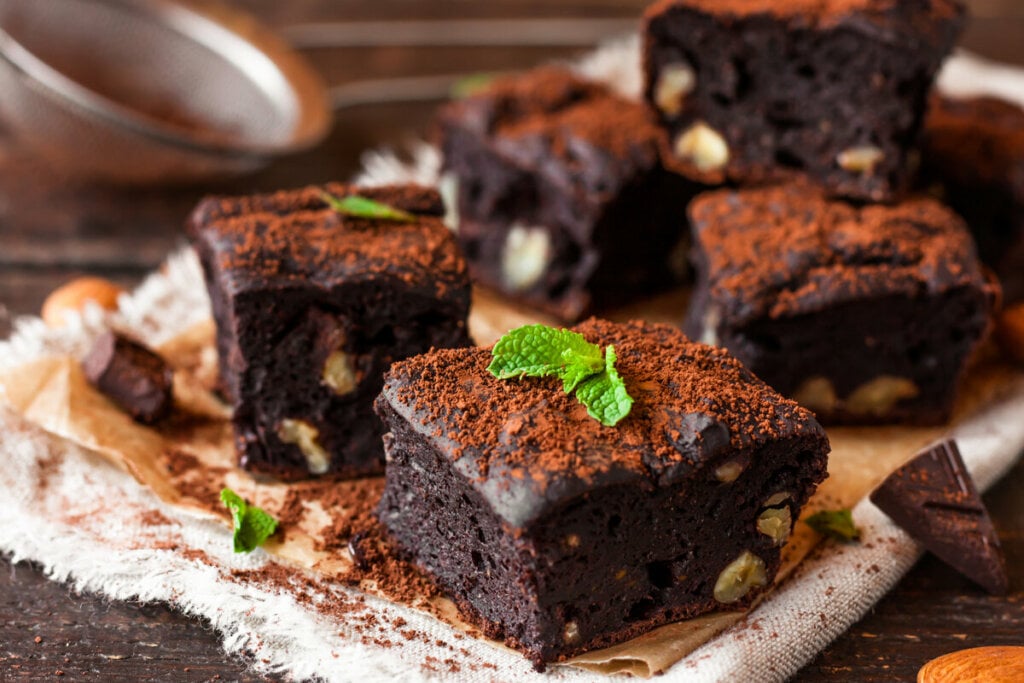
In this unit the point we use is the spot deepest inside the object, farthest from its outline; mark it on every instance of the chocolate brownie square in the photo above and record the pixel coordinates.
(973, 154)
(560, 197)
(757, 90)
(312, 306)
(862, 314)
(557, 534)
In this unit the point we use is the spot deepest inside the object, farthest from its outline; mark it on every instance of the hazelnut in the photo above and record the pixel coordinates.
(338, 373)
(860, 159)
(448, 188)
(675, 82)
(571, 634)
(817, 394)
(729, 472)
(878, 396)
(776, 523)
(703, 146)
(1010, 332)
(74, 295)
(304, 435)
(742, 575)
(525, 256)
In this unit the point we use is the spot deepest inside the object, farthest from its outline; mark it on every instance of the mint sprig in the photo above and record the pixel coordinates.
(252, 525)
(362, 207)
(837, 524)
(542, 351)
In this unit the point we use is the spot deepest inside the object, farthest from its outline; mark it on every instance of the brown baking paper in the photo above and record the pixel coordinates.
(187, 461)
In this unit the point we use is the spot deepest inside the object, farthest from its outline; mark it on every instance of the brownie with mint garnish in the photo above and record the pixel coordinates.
(558, 193)
(760, 90)
(864, 314)
(558, 534)
(313, 304)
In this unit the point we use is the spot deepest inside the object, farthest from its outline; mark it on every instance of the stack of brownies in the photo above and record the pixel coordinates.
(778, 147)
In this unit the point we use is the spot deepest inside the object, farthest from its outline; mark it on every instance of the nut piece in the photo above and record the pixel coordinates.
(878, 396)
(338, 373)
(74, 295)
(448, 188)
(675, 82)
(304, 435)
(571, 634)
(776, 523)
(1010, 332)
(729, 472)
(703, 146)
(743, 574)
(525, 256)
(572, 541)
(776, 498)
(817, 394)
(860, 159)
(712, 317)
(995, 664)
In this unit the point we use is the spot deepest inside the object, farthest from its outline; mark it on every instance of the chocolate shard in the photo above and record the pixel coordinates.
(132, 376)
(933, 498)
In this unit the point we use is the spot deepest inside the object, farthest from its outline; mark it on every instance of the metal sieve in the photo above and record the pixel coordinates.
(146, 91)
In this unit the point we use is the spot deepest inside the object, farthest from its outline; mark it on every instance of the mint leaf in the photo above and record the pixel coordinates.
(605, 395)
(362, 207)
(470, 85)
(836, 524)
(542, 351)
(252, 525)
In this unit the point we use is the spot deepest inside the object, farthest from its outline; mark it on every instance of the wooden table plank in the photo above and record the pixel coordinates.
(52, 231)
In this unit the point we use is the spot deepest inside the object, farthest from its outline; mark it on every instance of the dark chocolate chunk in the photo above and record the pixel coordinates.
(312, 306)
(557, 534)
(132, 376)
(933, 499)
(761, 90)
(864, 314)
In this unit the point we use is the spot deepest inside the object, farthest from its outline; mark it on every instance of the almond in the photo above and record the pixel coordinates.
(979, 664)
(74, 295)
(1010, 332)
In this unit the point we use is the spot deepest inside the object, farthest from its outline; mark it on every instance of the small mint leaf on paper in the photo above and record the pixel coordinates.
(362, 207)
(542, 351)
(252, 525)
(837, 524)
(605, 394)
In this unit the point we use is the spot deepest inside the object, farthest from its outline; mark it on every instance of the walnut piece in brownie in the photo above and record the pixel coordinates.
(559, 195)
(139, 381)
(757, 90)
(973, 153)
(864, 315)
(312, 306)
(557, 534)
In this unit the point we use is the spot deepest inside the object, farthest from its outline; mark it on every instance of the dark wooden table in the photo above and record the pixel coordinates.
(51, 231)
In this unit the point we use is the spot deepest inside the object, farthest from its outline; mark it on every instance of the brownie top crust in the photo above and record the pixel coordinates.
(552, 113)
(787, 250)
(824, 13)
(977, 140)
(293, 238)
(526, 446)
